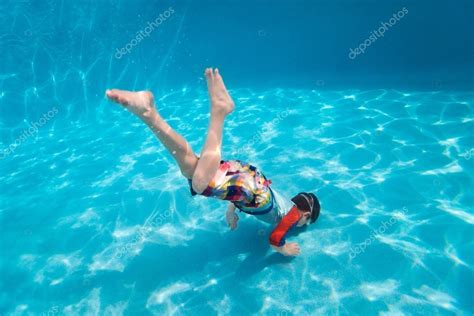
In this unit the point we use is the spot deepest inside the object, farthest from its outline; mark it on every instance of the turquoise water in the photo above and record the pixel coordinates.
(96, 218)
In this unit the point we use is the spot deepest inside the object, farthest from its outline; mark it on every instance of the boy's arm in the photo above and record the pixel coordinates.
(231, 217)
(288, 249)
(231, 207)
(277, 237)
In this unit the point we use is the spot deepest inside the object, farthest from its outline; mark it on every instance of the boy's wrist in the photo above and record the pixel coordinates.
(280, 249)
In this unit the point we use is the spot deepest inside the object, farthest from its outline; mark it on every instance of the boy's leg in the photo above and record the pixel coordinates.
(221, 106)
(142, 105)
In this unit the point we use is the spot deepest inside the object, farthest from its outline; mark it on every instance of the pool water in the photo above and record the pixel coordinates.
(96, 218)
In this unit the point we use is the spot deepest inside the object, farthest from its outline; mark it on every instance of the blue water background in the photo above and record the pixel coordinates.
(95, 218)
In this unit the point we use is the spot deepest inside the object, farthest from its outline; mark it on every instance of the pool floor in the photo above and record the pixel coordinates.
(97, 220)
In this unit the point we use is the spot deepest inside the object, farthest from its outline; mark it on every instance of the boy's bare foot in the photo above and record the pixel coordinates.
(221, 102)
(140, 103)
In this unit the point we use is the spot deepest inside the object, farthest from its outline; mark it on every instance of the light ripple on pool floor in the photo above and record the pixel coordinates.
(98, 205)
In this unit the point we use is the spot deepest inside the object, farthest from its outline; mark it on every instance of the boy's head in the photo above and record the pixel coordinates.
(308, 205)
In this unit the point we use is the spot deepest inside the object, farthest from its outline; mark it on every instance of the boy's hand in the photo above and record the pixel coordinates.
(290, 249)
(231, 218)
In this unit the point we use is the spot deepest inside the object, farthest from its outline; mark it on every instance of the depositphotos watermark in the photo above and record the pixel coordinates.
(53, 311)
(360, 248)
(30, 131)
(144, 232)
(468, 154)
(259, 136)
(144, 33)
(375, 35)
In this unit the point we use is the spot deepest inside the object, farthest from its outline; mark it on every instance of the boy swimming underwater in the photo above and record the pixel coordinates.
(240, 183)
